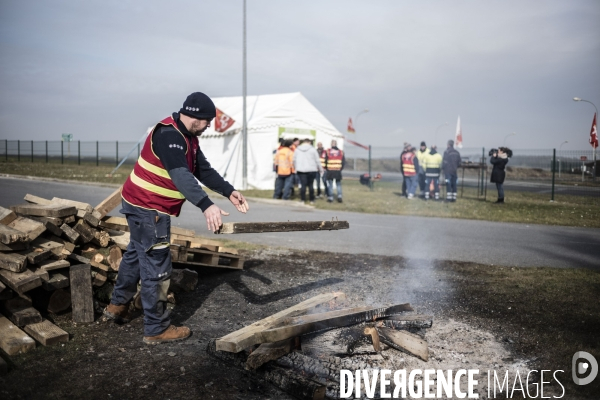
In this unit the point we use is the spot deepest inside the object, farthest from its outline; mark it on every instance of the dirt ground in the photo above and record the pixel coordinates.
(484, 316)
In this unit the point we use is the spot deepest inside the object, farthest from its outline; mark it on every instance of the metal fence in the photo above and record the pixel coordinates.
(549, 171)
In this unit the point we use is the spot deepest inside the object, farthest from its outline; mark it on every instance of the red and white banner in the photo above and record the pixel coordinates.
(594, 134)
(357, 144)
(351, 126)
(458, 136)
(223, 121)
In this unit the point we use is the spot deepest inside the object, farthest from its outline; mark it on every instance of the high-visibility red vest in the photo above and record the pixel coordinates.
(334, 159)
(322, 157)
(149, 184)
(408, 164)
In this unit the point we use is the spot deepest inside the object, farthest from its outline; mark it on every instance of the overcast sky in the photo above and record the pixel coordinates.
(106, 70)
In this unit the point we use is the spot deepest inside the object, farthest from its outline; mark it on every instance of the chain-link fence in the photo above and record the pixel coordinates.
(76, 152)
(545, 171)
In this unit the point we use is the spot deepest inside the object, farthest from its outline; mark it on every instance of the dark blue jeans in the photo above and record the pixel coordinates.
(147, 258)
(500, 187)
(283, 184)
(451, 183)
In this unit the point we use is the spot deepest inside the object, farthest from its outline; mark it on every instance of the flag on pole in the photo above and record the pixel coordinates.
(352, 142)
(594, 134)
(351, 126)
(223, 121)
(458, 136)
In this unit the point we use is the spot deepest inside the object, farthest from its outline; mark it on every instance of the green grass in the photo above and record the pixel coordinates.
(522, 207)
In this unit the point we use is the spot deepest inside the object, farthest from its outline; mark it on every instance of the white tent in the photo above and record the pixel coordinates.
(269, 117)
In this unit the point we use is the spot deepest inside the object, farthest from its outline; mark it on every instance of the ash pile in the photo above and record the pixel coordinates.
(302, 349)
(59, 256)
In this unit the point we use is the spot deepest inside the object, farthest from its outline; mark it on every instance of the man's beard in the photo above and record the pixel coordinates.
(196, 130)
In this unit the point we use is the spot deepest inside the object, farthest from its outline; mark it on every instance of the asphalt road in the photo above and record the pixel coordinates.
(412, 237)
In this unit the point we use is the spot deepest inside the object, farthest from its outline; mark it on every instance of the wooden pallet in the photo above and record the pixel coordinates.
(204, 257)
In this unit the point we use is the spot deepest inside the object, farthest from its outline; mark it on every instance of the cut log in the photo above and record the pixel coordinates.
(374, 337)
(329, 320)
(36, 200)
(20, 311)
(86, 231)
(50, 265)
(13, 340)
(31, 228)
(56, 281)
(47, 333)
(59, 301)
(183, 280)
(13, 262)
(245, 337)
(269, 351)
(260, 227)
(9, 235)
(70, 234)
(84, 260)
(69, 220)
(101, 238)
(98, 278)
(77, 204)
(121, 239)
(404, 341)
(6, 216)
(20, 282)
(110, 203)
(44, 210)
(81, 293)
(115, 255)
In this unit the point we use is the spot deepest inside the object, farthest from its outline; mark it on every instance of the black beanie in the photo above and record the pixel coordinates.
(199, 106)
(423, 144)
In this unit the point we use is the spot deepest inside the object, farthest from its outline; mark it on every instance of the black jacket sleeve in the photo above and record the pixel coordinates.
(170, 147)
(211, 178)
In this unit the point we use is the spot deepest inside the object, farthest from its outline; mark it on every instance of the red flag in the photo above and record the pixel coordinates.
(594, 134)
(223, 121)
(350, 126)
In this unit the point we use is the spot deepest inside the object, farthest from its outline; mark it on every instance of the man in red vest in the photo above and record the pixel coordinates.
(335, 163)
(168, 172)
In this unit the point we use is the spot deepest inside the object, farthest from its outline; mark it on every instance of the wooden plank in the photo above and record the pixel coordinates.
(20, 281)
(334, 319)
(85, 231)
(84, 260)
(69, 220)
(10, 235)
(183, 232)
(71, 234)
(70, 247)
(91, 219)
(56, 281)
(269, 351)
(110, 203)
(13, 340)
(47, 333)
(30, 198)
(245, 337)
(41, 249)
(52, 224)
(81, 293)
(7, 216)
(50, 265)
(20, 311)
(374, 337)
(260, 227)
(77, 204)
(17, 246)
(115, 223)
(44, 210)
(31, 228)
(404, 341)
(13, 262)
(5, 293)
(415, 321)
(43, 243)
(3, 367)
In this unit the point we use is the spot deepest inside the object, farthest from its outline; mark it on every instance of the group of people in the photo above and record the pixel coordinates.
(422, 168)
(299, 163)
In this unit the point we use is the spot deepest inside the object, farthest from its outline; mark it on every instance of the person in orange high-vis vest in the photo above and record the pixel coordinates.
(335, 163)
(284, 165)
(167, 173)
(410, 168)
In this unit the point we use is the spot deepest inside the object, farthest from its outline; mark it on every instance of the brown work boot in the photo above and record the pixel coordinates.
(118, 313)
(172, 334)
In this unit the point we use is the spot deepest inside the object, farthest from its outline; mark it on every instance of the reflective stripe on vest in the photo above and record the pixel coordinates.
(408, 164)
(284, 159)
(334, 160)
(322, 158)
(149, 185)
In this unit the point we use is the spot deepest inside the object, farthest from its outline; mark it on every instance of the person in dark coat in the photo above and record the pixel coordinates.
(499, 159)
(450, 164)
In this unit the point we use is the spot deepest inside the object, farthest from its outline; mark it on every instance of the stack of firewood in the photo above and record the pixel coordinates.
(58, 254)
(303, 348)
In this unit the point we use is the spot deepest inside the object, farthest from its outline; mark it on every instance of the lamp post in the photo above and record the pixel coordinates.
(596, 108)
(366, 110)
(507, 136)
(244, 119)
(436, 132)
(559, 147)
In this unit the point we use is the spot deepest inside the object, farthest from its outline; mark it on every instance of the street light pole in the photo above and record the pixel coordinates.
(596, 108)
(244, 122)
(507, 136)
(559, 147)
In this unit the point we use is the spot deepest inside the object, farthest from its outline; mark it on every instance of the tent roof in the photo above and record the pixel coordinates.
(272, 110)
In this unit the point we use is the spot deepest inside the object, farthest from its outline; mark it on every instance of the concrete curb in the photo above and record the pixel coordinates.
(43, 179)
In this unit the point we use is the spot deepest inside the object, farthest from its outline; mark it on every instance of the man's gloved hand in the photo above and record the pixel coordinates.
(213, 217)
